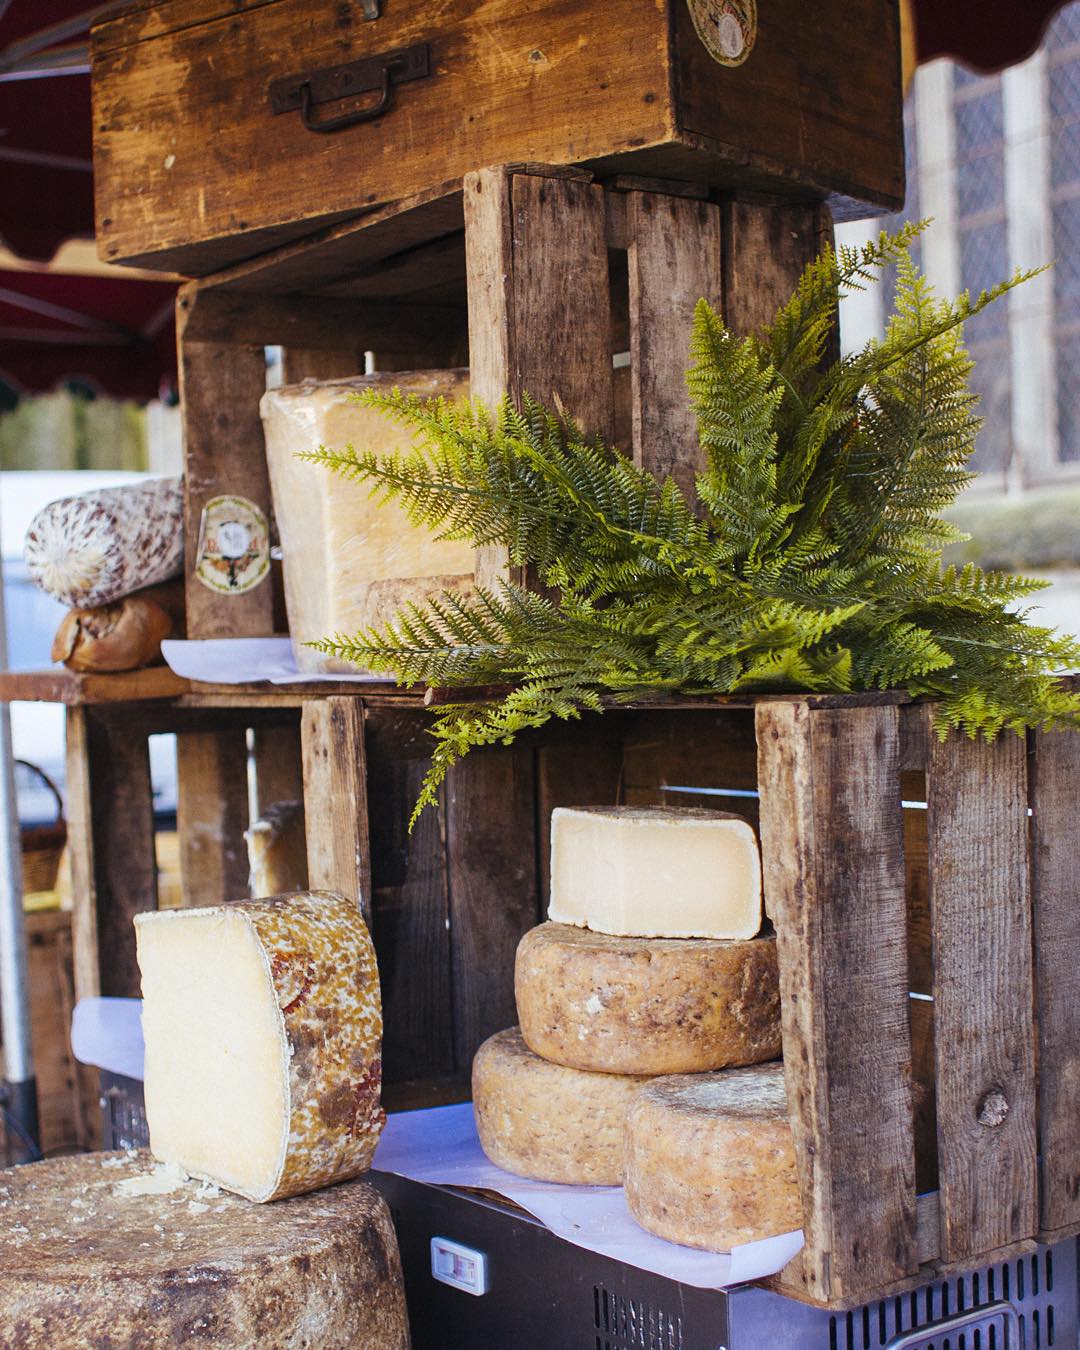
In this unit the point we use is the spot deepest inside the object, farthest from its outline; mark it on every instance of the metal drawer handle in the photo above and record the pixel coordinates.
(346, 119)
(914, 1340)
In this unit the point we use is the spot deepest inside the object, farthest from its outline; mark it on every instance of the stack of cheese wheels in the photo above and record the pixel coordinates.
(652, 964)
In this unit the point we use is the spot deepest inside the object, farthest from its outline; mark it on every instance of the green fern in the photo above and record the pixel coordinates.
(810, 560)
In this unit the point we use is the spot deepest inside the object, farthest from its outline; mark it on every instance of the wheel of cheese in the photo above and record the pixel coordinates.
(647, 1005)
(548, 1122)
(108, 1249)
(710, 1161)
(263, 1027)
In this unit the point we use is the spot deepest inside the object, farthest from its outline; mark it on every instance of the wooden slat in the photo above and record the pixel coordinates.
(335, 798)
(212, 815)
(832, 844)
(984, 1033)
(765, 249)
(73, 688)
(410, 897)
(224, 454)
(491, 852)
(1055, 882)
(536, 259)
(279, 765)
(111, 828)
(675, 258)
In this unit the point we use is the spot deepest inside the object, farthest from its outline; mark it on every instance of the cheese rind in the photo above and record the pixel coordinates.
(650, 871)
(263, 1026)
(102, 1250)
(647, 1005)
(350, 561)
(277, 849)
(710, 1161)
(545, 1121)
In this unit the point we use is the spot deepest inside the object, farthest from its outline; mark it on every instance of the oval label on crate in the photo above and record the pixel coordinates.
(234, 545)
(726, 27)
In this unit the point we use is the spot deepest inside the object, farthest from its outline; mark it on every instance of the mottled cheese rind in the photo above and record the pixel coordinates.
(351, 562)
(321, 1040)
(654, 871)
(547, 1122)
(647, 1005)
(84, 1261)
(710, 1161)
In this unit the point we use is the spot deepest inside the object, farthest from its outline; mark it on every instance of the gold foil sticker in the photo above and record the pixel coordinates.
(234, 546)
(728, 28)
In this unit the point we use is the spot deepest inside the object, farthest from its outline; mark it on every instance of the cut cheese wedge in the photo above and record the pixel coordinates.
(651, 871)
(263, 1030)
(277, 850)
(350, 560)
(545, 1121)
(647, 1005)
(109, 1249)
(710, 1161)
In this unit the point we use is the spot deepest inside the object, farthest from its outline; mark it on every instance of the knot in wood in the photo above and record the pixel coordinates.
(993, 1108)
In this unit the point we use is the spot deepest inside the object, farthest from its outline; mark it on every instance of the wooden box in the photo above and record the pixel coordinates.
(194, 169)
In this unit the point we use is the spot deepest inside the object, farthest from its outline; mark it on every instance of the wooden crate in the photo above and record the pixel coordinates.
(194, 171)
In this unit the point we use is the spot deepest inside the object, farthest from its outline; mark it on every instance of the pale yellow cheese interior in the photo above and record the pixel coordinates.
(655, 872)
(349, 561)
(216, 1076)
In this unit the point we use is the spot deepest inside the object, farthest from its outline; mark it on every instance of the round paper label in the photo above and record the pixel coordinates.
(234, 545)
(726, 27)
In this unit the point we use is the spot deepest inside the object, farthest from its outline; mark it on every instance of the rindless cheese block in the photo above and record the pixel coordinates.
(710, 1161)
(109, 1249)
(647, 1005)
(652, 871)
(263, 1030)
(350, 562)
(545, 1121)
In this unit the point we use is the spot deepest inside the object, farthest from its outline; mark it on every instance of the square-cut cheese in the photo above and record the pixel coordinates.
(651, 871)
(350, 562)
(262, 1026)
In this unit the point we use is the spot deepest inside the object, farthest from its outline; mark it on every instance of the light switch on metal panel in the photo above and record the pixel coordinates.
(459, 1266)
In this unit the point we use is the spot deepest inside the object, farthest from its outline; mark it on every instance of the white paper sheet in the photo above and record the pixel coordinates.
(247, 661)
(107, 1033)
(440, 1146)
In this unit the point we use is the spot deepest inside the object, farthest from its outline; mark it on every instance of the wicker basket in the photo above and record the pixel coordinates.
(42, 845)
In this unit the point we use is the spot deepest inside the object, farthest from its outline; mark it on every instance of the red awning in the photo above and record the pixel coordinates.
(986, 35)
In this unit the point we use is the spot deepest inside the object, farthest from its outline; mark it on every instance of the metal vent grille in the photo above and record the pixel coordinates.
(1027, 1283)
(622, 1323)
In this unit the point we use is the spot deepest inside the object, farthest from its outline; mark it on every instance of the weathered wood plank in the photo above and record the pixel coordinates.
(676, 259)
(832, 844)
(536, 261)
(224, 454)
(111, 828)
(212, 815)
(1055, 883)
(335, 798)
(491, 853)
(765, 249)
(410, 898)
(279, 764)
(985, 1038)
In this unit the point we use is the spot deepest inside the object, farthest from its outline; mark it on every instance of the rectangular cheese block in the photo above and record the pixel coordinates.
(263, 1028)
(350, 562)
(650, 871)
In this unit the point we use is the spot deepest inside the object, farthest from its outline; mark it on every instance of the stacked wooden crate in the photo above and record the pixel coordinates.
(917, 941)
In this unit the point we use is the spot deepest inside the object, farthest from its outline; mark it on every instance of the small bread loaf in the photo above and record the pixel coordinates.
(125, 635)
(710, 1160)
(98, 547)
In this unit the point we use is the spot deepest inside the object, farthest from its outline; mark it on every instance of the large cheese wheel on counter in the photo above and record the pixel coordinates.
(263, 1028)
(351, 561)
(647, 1005)
(710, 1161)
(545, 1121)
(108, 1249)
